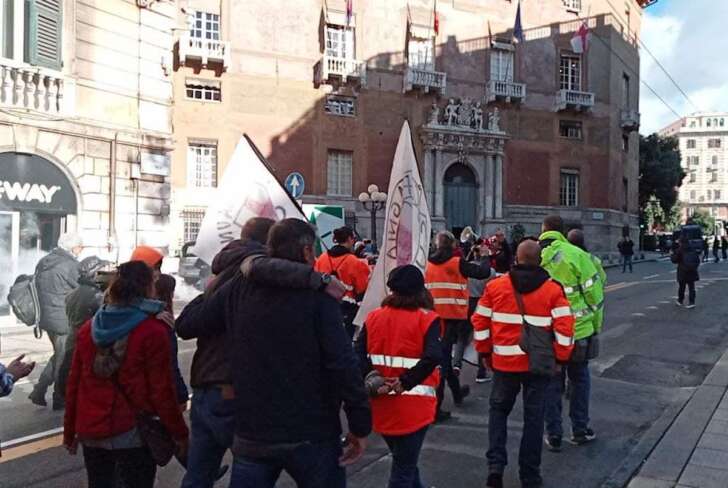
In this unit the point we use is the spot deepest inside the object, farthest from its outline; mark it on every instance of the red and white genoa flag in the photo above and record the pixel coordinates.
(247, 189)
(406, 236)
(580, 41)
(436, 24)
(349, 11)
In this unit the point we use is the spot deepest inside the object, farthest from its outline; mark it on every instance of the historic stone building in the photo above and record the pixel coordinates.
(85, 125)
(703, 139)
(505, 132)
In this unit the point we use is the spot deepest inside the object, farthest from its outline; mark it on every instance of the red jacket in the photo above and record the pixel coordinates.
(95, 409)
(497, 322)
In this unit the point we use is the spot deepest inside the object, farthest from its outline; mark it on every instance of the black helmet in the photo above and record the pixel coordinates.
(88, 267)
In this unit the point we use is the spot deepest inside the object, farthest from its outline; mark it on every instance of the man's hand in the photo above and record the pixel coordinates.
(167, 318)
(335, 289)
(353, 449)
(487, 361)
(18, 368)
(395, 385)
(72, 448)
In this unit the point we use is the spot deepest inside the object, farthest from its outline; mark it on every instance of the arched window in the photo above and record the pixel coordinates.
(721, 122)
(708, 123)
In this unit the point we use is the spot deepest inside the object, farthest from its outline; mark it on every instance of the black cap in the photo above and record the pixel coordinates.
(406, 280)
(89, 266)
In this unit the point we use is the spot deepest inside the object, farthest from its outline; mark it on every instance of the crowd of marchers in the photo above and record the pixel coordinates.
(279, 357)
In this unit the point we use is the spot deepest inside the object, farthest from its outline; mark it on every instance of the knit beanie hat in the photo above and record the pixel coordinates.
(406, 280)
(150, 256)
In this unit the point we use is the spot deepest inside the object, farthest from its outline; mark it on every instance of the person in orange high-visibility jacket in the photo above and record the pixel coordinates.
(399, 351)
(341, 262)
(498, 322)
(446, 277)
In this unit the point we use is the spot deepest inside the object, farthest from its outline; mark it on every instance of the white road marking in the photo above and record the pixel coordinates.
(673, 271)
(652, 307)
(651, 276)
(664, 301)
(638, 314)
(32, 437)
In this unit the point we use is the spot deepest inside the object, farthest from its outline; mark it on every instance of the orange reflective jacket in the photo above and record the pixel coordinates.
(350, 270)
(449, 289)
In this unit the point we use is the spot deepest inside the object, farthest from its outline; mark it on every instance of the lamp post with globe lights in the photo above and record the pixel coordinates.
(373, 200)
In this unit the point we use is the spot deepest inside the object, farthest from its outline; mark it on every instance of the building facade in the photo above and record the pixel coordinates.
(703, 140)
(85, 125)
(505, 133)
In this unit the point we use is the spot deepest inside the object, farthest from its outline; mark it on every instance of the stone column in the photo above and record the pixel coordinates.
(498, 183)
(438, 209)
(488, 183)
(429, 176)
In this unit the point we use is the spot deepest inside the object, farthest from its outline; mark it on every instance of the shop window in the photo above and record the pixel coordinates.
(569, 191)
(41, 25)
(339, 173)
(202, 164)
(570, 129)
(203, 90)
(570, 72)
(191, 222)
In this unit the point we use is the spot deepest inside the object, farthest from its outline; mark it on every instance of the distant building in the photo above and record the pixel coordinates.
(504, 133)
(703, 141)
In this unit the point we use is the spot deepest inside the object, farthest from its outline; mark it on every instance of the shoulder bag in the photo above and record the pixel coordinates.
(537, 342)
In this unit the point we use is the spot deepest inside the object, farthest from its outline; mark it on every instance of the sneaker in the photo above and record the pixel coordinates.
(464, 392)
(442, 416)
(553, 442)
(678, 303)
(690, 305)
(495, 480)
(37, 399)
(579, 438)
(482, 377)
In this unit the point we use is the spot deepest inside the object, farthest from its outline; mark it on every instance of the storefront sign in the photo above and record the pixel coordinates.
(30, 182)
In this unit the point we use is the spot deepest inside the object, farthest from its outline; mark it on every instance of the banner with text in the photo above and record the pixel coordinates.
(247, 189)
(406, 236)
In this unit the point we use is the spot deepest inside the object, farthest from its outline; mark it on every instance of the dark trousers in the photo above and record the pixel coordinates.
(349, 311)
(405, 451)
(52, 368)
(462, 336)
(211, 435)
(506, 387)
(447, 375)
(626, 261)
(681, 291)
(311, 465)
(135, 467)
(715, 255)
(725, 253)
(579, 391)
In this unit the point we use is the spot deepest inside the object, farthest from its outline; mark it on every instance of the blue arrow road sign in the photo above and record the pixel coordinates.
(295, 184)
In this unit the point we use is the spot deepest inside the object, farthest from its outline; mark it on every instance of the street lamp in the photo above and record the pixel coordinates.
(374, 201)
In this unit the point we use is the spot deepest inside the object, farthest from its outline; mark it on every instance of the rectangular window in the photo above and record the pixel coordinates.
(202, 164)
(191, 221)
(205, 26)
(570, 72)
(692, 177)
(714, 177)
(207, 91)
(692, 195)
(625, 91)
(31, 32)
(501, 65)
(625, 143)
(420, 54)
(340, 105)
(690, 144)
(716, 194)
(569, 191)
(338, 173)
(339, 41)
(572, 5)
(570, 129)
(7, 28)
(625, 187)
(714, 143)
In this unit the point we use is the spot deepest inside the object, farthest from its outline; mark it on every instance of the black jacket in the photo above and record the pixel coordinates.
(471, 269)
(626, 248)
(685, 273)
(210, 364)
(82, 303)
(56, 275)
(293, 364)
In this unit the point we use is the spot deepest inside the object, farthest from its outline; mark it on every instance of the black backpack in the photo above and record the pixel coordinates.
(23, 299)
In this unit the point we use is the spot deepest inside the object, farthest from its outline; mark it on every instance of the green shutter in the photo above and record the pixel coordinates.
(44, 26)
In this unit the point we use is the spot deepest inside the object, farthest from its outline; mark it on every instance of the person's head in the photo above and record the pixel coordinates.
(407, 285)
(134, 280)
(500, 236)
(359, 249)
(576, 237)
(553, 222)
(90, 266)
(164, 290)
(256, 229)
(528, 253)
(344, 236)
(149, 256)
(292, 239)
(445, 240)
(71, 243)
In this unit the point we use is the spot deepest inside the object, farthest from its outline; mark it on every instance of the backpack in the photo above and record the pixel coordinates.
(23, 298)
(691, 260)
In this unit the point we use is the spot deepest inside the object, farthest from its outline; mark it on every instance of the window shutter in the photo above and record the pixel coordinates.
(43, 33)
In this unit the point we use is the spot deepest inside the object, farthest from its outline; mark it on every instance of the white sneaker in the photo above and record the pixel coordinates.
(678, 303)
(690, 305)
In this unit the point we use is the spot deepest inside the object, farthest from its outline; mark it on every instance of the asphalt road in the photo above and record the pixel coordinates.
(654, 354)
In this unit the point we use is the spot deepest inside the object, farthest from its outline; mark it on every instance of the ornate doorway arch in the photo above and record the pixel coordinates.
(461, 197)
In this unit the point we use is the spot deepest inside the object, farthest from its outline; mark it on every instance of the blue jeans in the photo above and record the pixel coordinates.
(626, 261)
(212, 429)
(311, 465)
(405, 451)
(506, 387)
(580, 381)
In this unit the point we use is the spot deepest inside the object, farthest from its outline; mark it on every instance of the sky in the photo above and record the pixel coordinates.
(690, 39)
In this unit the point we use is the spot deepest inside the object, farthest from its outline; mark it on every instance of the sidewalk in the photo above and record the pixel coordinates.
(614, 260)
(694, 451)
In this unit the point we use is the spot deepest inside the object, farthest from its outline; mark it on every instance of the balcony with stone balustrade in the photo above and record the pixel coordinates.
(508, 91)
(207, 51)
(574, 100)
(334, 70)
(33, 89)
(424, 79)
(630, 120)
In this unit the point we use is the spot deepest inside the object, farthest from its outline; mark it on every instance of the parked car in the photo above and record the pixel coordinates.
(191, 268)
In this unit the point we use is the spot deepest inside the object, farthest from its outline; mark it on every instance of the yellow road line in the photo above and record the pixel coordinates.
(31, 448)
(619, 286)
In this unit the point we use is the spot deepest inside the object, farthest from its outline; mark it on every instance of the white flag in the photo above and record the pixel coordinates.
(247, 189)
(406, 236)
(581, 38)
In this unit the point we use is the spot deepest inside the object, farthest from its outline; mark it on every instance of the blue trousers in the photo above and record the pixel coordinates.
(580, 381)
(626, 261)
(405, 451)
(212, 430)
(311, 465)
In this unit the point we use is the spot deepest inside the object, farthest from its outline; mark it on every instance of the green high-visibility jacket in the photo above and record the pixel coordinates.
(583, 285)
(599, 313)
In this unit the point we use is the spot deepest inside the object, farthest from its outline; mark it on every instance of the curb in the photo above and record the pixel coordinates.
(616, 265)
